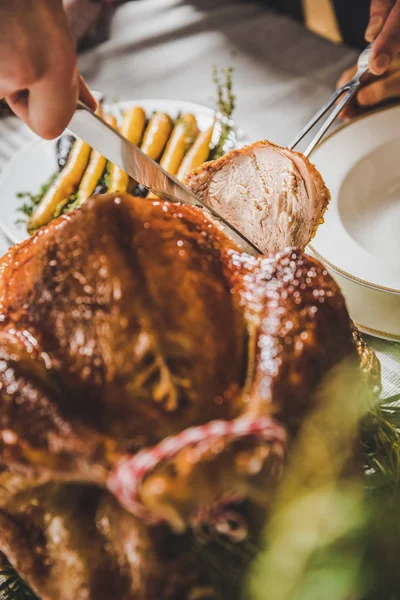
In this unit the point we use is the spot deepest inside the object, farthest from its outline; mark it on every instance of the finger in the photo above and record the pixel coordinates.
(51, 106)
(379, 12)
(387, 44)
(346, 76)
(379, 91)
(46, 109)
(86, 95)
(18, 102)
(20, 72)
(350, 111)
(372, 94)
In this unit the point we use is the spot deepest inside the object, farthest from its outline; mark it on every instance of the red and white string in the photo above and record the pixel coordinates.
(126, 478)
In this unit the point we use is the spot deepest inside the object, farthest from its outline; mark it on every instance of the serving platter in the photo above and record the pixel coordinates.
(35, 162)
(360, 239)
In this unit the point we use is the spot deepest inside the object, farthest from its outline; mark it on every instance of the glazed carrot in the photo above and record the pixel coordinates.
(156, 135)
(197, 154)
(133, 123)
(65, 185)
(132, 128)
(94, 170)
(182, 136)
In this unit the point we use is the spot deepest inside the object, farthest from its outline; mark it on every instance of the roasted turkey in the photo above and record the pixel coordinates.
(152, 380)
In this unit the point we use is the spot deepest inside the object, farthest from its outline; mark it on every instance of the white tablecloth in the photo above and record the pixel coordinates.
(166, 49)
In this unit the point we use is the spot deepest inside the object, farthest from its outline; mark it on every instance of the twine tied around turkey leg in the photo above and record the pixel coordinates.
(126, 478)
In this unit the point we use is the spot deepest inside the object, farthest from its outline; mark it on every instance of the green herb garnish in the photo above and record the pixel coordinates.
(32, 200)
(105, 180)
(381, 442)
(226, 99)
(225, 106)
(12, 587)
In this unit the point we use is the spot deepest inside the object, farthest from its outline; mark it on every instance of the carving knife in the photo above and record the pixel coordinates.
(118, 150)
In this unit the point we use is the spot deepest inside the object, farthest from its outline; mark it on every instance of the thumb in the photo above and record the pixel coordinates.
(86, 95)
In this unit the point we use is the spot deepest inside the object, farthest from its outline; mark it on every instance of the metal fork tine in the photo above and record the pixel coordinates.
(349, 90)
(320, 134)
(324, 109)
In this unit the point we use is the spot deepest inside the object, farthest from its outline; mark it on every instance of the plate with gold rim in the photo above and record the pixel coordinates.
(360, 164)
(359, 242)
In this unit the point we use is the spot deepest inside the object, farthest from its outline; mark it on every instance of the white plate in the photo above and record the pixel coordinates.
(360, 240)
(374, 311)
(35, 162)
(361, 168)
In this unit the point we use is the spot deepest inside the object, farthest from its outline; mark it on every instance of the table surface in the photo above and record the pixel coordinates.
(167, 48)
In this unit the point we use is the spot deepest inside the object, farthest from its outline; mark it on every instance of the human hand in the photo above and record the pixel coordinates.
(38, 72)
(384, 31)
(374, 91)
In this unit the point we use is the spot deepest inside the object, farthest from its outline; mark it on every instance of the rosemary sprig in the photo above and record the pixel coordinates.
(381, 444)
(12, 587)
(380, 431)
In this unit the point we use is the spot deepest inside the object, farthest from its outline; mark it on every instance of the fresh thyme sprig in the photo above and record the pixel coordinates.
(226, 99)
(225, 106)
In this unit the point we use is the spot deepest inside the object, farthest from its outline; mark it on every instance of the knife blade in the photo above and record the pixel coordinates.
(89, 127)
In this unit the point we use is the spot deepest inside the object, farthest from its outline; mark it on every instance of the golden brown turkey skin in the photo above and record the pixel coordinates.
(127, 312)
(129, 321)
(77, 542)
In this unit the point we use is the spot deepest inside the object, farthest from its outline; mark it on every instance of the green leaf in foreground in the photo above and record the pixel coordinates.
(332, 534)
